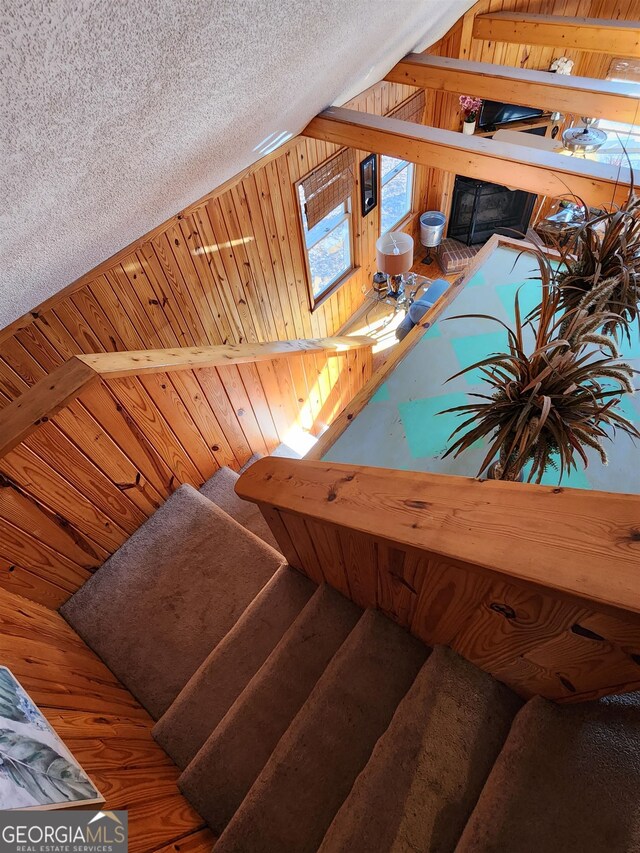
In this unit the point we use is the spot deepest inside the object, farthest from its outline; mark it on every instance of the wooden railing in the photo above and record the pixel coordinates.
(539, 586)
(91, 450)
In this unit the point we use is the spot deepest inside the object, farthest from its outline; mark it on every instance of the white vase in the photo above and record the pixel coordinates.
(468, 127)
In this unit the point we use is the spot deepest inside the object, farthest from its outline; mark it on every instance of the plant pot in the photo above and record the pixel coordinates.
(495, 469)
(469, 127)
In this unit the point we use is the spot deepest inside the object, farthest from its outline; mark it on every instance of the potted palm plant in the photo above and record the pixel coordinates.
(546, 406)
(599, 268)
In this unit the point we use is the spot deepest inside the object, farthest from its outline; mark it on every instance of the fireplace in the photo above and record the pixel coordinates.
(480, 209)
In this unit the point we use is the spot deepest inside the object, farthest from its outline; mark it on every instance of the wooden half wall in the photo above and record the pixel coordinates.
(534, 584)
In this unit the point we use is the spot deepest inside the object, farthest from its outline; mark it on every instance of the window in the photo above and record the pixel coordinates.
(396, 190)
(623, 143)
(329, 248)
(325, 203)
(396, 176)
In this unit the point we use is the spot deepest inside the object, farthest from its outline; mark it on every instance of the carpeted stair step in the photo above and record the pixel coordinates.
(222, 677)
(283, 451)
(168, 596)
(567, 779)
(221, 490)
(250, 462)
(220, 775)
(428, 769)
(296, 796)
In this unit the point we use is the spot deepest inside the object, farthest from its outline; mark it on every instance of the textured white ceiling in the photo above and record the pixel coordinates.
(117, 113)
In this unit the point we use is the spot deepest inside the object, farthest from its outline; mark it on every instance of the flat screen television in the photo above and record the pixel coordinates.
(495, 114)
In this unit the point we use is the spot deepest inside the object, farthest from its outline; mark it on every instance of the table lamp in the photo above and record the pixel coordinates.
(394, 256)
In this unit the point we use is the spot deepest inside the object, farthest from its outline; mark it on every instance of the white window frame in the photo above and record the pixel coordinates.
(315, 299)
(402, 165)
(624, 132)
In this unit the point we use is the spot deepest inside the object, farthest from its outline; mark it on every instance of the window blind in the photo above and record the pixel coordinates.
(410, 110)
(328, 186)
(332, 183)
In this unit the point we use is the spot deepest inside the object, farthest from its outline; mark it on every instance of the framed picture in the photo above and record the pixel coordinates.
(37, 771)
(369, 184)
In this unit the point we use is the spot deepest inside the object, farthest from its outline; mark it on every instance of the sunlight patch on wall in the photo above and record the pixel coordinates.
(272, 141)
(299, 440)
(217, 247)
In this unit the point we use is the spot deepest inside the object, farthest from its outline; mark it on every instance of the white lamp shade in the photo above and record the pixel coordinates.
(394, 253)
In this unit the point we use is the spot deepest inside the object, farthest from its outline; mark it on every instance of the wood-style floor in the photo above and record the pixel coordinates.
(105, 728)
(380, 321)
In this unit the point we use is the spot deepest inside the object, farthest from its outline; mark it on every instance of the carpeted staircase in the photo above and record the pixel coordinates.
(303, 724)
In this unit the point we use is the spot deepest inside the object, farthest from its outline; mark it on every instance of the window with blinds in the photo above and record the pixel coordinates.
(328, 186)
(410, 110)
(396, 176)
(623, 140)
(325, 197)
(325, 201)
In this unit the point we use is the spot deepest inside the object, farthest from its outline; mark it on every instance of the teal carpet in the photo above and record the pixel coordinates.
(400, 428)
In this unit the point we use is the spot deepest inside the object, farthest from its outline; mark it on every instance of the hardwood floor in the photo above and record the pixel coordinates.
(379, 321)
(105, 728)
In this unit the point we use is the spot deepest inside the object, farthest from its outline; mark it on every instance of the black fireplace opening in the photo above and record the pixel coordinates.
(481, 209)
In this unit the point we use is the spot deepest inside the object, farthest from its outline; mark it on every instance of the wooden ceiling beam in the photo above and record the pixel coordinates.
(619, 38)
(580, 96)
(510, 165)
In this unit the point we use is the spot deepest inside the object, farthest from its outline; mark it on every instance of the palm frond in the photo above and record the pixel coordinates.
(553, 402)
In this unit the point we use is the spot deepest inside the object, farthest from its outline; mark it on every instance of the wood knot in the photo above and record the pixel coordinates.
(503, 609)
(567, 684)
(634, 536)
(332, 496)
(585, 632)
(417, 504)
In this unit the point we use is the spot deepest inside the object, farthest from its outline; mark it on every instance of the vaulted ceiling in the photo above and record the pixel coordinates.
(116, 115)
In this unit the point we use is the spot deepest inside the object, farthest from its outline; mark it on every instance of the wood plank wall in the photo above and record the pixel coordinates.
(231, 268)
(459, 43)
(76, 488)
(102, 724)
(536, 642)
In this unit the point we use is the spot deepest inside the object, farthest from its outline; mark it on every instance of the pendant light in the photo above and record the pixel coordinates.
(583, 140)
